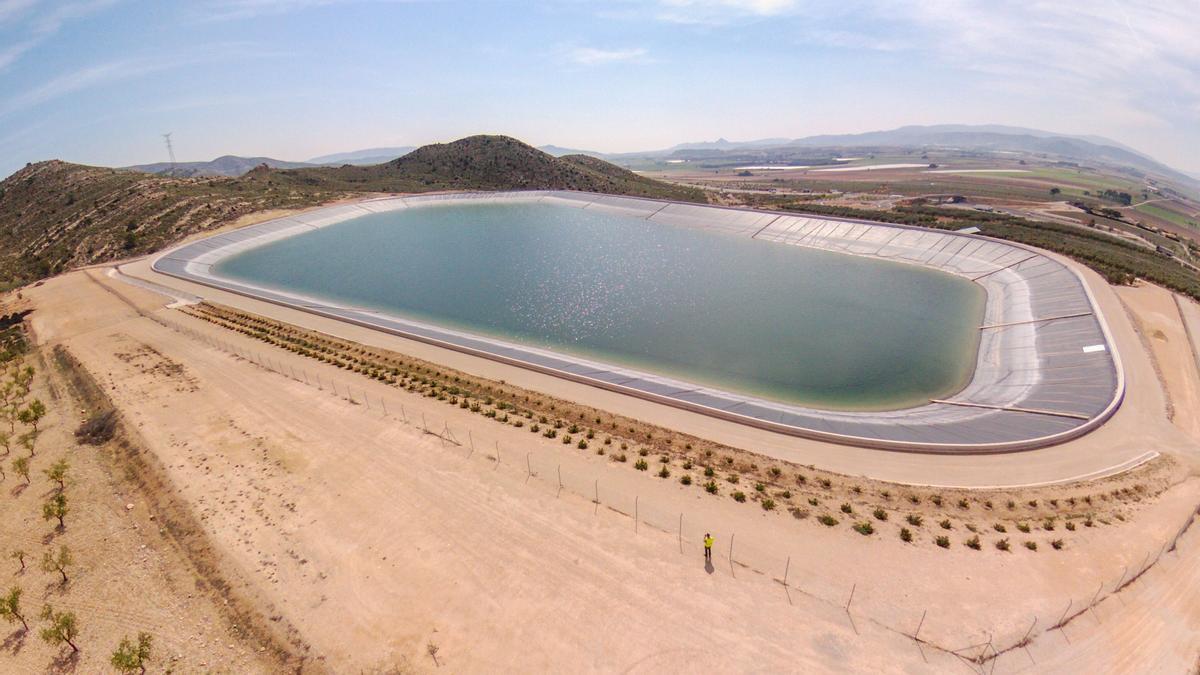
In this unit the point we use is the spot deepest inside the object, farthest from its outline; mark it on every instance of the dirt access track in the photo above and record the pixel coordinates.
(375, 539)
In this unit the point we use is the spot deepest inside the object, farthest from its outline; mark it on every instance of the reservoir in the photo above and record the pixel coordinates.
(785, 323)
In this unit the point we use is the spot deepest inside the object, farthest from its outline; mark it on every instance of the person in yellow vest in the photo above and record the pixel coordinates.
(708, 542)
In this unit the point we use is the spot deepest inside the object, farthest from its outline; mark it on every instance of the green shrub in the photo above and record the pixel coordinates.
(812, 501)
(943, 541)
(1070, 525)
(759, 487)
(946, 524)
(641, 465)
(1003, 544)
(999, 527)
(664, 472)
(711, 487)
(708, 472)
(827, 520)
(1023, 527)
(936, 499)
(914, 520)
(864, 528)
(880, 514)
(768, 504)
(846, 508)
(973, 543)
(1057, 544)
(685, 479)
(739, 496)
(1048, 525)
(1031, 545)
(732, 478)
(906, 535)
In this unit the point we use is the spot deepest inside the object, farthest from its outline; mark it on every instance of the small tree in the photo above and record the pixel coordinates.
(58, 563)
(10, 607)
(19, 556)
(56, 507)
(58, 473)
(131, 657)
(62, 627)
(21, 466)
(32, 413)
(6, 442)
(28, 440)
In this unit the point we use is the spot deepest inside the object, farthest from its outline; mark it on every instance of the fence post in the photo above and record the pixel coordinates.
(681, 532)
(403, 414)
(731, 536)
(597, 500)
(556, 494)
(528, 467)
(384, 404)
(423, 424)
(787, 568)
(635, 513)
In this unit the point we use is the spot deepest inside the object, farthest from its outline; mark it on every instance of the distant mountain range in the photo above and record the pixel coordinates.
(363, 157)
(227, 165)
(986, 137)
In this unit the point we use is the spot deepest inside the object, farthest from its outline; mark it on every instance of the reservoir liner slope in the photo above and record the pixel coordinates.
(1046, 370)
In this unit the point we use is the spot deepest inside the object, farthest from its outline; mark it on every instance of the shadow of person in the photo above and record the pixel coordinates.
(708, 566)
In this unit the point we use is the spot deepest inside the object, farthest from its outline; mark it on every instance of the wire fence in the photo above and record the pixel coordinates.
(937, 631)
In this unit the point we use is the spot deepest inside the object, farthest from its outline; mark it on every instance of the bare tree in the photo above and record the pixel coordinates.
(19, 556)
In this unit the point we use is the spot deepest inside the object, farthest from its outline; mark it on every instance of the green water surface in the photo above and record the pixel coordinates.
(781, 322)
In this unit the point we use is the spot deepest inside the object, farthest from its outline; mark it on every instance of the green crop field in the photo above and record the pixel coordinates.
(1168, 215)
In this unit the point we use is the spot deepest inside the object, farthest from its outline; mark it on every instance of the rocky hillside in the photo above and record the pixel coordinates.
(486, 163)
(55, 216)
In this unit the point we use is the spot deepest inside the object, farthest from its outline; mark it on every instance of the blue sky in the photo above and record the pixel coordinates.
(99, 81)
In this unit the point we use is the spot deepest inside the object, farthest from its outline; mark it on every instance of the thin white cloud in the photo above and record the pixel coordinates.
(232, 10)
(40, 27)
(11, 9)
(112, 72)
(591, 56)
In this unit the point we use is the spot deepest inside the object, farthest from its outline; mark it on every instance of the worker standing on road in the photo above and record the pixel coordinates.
(708, 542)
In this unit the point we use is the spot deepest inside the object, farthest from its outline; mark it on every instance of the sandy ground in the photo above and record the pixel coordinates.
(1159, 317)
(375, 539)
(126, 577)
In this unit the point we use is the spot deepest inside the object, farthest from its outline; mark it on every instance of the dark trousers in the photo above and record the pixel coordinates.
(708, 553)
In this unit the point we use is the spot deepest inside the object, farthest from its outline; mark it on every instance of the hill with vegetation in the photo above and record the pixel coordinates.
(227, 165)
(484, 163)
(55, 216)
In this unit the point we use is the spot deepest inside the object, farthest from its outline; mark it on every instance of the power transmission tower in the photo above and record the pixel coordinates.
(170, 150)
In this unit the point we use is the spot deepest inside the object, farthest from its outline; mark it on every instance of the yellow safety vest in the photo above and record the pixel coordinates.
(708, 542)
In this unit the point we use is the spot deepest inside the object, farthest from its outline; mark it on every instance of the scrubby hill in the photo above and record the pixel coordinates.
(55, 216)
(485, 163)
